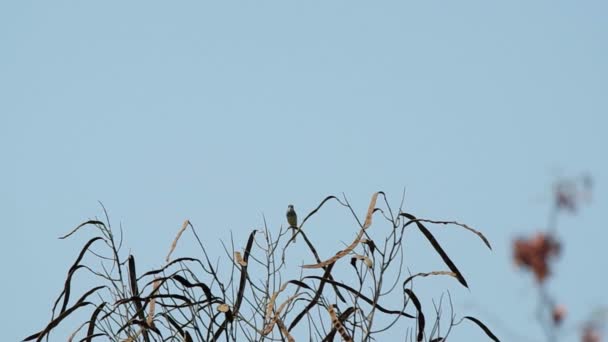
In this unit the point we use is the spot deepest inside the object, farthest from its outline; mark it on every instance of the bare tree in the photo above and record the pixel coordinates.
(258, 294)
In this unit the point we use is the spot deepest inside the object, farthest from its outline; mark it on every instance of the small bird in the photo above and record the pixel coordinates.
(292, 219)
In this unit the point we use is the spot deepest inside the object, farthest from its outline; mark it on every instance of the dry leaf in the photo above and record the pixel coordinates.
(179, 234)
(370, 211)
(335, 322)
(268, 328)
(152, 306)
(366, 260)
(339, 255)
(284, 330)
(239, 259)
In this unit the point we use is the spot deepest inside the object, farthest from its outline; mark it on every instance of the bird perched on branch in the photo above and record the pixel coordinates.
(292, 219)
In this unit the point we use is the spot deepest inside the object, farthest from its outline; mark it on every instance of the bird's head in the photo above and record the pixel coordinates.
(290, 207)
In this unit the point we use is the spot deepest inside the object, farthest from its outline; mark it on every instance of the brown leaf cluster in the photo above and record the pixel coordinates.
(535, 253)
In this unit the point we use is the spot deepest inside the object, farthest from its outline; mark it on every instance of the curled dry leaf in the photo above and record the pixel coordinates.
(179, 234)
(239, 259)
(338, 255)
(367, 261)
(223, 307)
(370, 244)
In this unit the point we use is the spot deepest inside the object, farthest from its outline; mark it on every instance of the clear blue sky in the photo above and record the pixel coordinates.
(221, 112)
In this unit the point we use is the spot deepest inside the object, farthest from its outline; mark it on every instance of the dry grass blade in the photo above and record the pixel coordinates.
(243, 279)
(336, 324)
(411, 294)
(299, 284)
(370, 211)
(438, 249)
(361, 296)
(284, 330)
(241, 289)
(426, 274)
(135, 292)
(134, 337)
(73, 335)
(483, 327)
(285, 303)
(341, 318)
(313, 301)
(80, 303)
(162, 269)
(317, 208)
(188, 284)
(462, 225)
(339, 255)
(91, 330)
(66, 289)
(443, 254)
(91, 337)
(277, 314)
(40, 335)
(89, 222)
(135, 299)
(174, 324)
(271, 301)
(152, 307)
(179, 234)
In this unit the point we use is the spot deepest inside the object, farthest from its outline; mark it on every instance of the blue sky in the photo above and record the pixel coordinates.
(223, 112)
